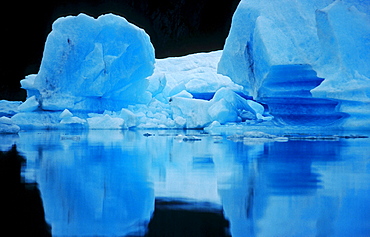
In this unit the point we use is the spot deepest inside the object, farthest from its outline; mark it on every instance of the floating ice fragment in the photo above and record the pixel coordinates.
(256, 137)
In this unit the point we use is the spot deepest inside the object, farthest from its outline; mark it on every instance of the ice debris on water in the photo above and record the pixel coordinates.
(187, 138)
(256, 136)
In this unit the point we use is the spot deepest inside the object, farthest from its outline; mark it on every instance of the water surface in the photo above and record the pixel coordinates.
(160, 183)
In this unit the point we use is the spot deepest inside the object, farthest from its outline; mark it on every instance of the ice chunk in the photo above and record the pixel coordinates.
(65, 114)
(230, 107)
(94, 64)
(105, 122)
(29, 105)
(131, 120)
(252, 137)
(223, 112)
(226, 106)
(183, 94)
(9, 108)
(194, 111)
(38, 120)
(180, 121)
(73, 120)
(68, 118)
(29, 84)
(8, 126)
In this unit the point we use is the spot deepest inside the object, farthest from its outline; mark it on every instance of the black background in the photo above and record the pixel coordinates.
(176, 27)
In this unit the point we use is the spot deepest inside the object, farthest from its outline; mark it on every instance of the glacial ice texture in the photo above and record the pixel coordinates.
(94, 64)
(303, 62)
(293, 51)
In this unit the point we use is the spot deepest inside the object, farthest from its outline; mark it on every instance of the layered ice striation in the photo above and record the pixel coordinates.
(286, 91)
(303, 59)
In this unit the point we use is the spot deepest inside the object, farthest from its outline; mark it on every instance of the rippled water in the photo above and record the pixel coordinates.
(161, 183)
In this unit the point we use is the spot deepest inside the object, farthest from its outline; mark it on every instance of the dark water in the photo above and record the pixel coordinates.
(133, 183)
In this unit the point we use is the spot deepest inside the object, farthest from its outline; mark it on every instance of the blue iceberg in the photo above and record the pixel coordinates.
(305, 59)
(301, 63)
(94, 64)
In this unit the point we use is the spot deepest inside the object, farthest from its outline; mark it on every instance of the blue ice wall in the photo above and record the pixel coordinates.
(303, 49)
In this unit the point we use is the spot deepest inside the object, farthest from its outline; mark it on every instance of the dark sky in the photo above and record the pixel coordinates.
(176, 27)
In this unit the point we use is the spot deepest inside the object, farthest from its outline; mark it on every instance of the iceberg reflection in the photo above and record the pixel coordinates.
(137, 183)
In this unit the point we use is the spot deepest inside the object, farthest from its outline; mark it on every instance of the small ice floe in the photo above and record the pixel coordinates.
(148, 134)
(187, 138)
(312, 137)
(70, 137)
(320, 137)
(256, 137)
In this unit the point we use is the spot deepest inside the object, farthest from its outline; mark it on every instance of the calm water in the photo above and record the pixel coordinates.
(123, 183)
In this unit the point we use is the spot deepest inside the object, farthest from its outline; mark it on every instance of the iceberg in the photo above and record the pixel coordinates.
(305, 60)
(344, 33)
(265, 34)
(284, 63)
(92, 65)
(107, 78)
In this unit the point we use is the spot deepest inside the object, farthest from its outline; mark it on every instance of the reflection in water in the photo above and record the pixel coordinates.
(22, 213)
(113, 183)
(183, 218)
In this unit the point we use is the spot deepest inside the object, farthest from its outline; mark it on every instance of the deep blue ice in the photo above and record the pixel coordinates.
(128, 183)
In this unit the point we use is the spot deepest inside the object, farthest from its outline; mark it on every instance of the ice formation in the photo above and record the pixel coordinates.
(9, 108)
(93, 64)
(307, 60)
(7, 126)
(104, 79)
(295, 63)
